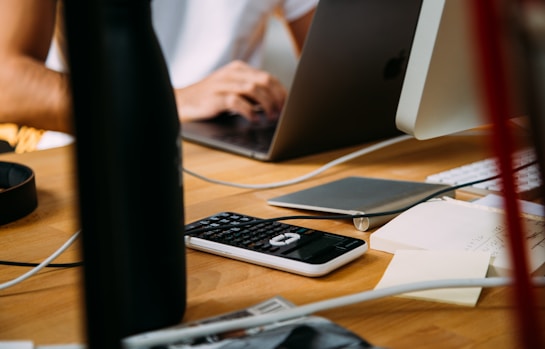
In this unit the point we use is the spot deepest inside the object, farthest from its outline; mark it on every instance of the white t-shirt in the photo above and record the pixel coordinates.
(199, 36)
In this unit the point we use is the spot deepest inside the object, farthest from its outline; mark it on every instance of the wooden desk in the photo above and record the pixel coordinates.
(47, 307)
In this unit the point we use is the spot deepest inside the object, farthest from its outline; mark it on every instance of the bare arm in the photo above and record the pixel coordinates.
(31, 94)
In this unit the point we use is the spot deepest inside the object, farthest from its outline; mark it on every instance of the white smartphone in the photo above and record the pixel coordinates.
(273, 244)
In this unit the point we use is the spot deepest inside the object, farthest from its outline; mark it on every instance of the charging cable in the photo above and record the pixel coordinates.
(42, 265)
(174, 335)
(316, 172)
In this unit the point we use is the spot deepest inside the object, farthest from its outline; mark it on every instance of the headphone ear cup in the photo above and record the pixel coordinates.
(5, 147)
(18, 196)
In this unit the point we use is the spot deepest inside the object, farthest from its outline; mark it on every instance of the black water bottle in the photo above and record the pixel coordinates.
(129, 170)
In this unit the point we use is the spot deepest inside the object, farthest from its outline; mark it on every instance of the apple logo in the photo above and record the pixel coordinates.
(394, 66)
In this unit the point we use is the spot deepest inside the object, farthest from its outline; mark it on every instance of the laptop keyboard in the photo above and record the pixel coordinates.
(257, 138)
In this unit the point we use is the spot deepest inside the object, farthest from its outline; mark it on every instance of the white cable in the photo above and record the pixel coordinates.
(41, 265)
(173, 335)
(327, 166)
(60, 346)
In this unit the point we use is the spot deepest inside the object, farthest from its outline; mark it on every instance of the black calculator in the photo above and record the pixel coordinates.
(273, 244)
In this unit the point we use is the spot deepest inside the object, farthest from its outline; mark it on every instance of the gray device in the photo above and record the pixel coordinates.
(277, 245)
(361, 195)
(345, 90)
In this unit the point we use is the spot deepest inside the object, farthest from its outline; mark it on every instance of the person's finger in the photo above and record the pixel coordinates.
(238, 104)
(258, 86)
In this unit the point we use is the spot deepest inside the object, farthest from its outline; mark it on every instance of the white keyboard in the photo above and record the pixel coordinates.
(528, 179)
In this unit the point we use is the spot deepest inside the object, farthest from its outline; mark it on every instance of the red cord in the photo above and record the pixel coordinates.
(491, 63)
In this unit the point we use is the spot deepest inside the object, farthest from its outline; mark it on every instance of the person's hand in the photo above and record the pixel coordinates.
(237, 88)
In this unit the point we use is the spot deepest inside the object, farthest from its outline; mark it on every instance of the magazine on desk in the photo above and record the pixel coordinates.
(312, 332)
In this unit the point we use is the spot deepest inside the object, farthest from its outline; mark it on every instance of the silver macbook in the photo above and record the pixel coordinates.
(345, 90)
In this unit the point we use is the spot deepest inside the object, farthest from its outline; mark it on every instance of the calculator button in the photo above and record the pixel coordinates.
(284, 239)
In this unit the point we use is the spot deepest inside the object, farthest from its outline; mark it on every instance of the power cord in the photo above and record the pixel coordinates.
(51, 265)
(325, 167)
(316, 172)
(172, 335)
(167, 336)
(282, 218)
(33, 271)
(435, 194)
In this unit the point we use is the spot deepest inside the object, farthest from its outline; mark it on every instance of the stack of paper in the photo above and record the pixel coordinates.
(453, 225)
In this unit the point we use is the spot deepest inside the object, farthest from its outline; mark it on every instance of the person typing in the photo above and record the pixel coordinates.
(213, 51)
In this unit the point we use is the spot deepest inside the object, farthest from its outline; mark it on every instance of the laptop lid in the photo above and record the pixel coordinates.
(345, 90)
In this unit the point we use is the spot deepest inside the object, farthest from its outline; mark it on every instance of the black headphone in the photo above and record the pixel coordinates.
(18, 195)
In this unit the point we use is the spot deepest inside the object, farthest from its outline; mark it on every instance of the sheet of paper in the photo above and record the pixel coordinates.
(409, 266)
(451, 224)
